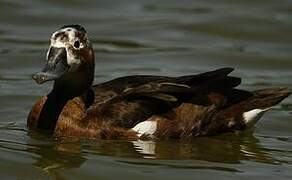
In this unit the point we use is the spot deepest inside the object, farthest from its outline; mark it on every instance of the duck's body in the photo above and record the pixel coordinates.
(145, 106)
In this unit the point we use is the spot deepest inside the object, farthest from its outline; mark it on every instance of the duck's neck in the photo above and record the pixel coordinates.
(66, 88)
(54, 104)
(56, 100)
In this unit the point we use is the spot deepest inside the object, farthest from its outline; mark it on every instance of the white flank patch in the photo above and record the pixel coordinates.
(251, 117)
(145, 128)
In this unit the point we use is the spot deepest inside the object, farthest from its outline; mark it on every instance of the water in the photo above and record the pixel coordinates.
(149, 37)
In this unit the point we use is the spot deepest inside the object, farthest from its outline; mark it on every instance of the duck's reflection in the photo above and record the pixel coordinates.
(146, 148)
(228, 148)
(54, 156)
(61, 156)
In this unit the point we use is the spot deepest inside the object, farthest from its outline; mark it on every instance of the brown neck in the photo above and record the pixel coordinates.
(63, 91)
(51, 110)
(54, 105)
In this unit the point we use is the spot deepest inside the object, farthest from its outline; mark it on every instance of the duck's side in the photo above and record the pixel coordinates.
(139, 106)
(162, 107)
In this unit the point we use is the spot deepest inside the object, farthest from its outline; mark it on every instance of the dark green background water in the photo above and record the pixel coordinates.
(149, 37)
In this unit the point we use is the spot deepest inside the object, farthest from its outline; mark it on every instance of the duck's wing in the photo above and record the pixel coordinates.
(151, 86)
(129, 100)
(132, 104)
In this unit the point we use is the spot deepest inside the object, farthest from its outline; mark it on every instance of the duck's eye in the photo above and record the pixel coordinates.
(77, 44)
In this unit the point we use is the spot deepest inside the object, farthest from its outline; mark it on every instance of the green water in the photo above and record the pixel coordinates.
(149, 37)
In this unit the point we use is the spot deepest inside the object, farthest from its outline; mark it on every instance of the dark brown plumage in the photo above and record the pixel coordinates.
(140, 106)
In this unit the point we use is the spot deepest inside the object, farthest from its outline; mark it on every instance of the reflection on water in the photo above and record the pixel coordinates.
(149, 37)
(146, 148)
(222, 153)
(53, 159)
(224, 149)
(57, 155)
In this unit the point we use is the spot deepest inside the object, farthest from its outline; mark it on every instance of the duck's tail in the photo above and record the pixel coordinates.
(243, 114)
(262, 100)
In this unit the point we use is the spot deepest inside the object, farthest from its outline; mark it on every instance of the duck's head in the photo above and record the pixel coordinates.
(69, 60)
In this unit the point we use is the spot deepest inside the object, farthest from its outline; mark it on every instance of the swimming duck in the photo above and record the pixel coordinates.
(139, 106)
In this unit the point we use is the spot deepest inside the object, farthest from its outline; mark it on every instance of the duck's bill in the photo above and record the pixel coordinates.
(42, 77)
(55, 67)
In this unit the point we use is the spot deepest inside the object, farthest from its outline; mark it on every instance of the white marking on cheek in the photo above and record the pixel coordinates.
(71, 60)
(251, 117)
(145, 128)
(58, 44)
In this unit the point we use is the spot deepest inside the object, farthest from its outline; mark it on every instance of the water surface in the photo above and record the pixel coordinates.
(149, 37)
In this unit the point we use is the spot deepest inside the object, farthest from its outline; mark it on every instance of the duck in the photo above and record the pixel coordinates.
(139, 106)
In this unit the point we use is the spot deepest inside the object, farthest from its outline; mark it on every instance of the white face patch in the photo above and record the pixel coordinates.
(65, 38)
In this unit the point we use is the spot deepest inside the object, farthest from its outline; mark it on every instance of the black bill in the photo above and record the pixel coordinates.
(56, 66)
